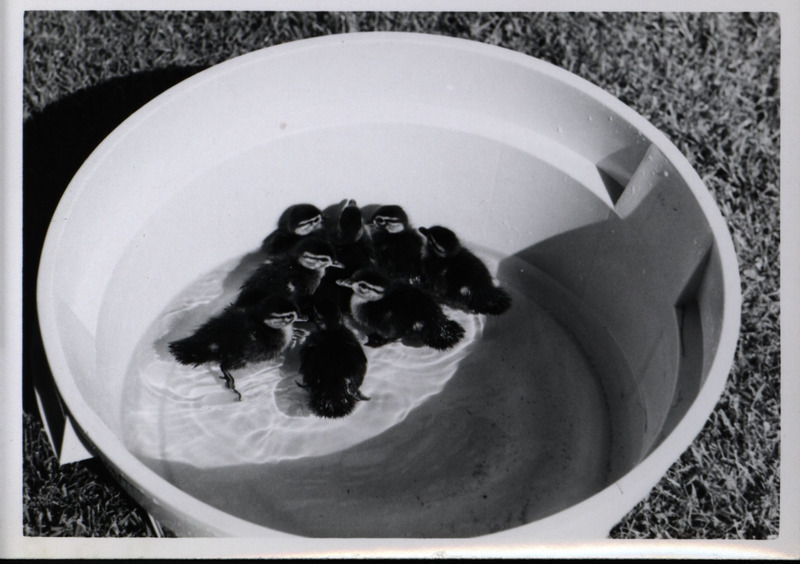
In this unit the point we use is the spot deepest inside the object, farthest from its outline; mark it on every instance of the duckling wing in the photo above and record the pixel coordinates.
(279, 242)
(222, 337)
(465, 269)
(332, 355)
(270, 279)
(428, 323)
(434, 275)
(471, 285)
(400, 254)
(412, 308)
(266, 343)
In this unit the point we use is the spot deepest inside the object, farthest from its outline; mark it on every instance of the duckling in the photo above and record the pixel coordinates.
(457, 276)
(295, 223)
(332, 364)
(295, 276)
(398, 246)
(351, 240)
(242, 335)
(392, 310)
(354, 250)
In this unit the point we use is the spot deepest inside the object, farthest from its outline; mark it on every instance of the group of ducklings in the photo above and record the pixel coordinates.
(383, 279)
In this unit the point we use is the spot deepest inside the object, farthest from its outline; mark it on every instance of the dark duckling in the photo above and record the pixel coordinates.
(295, 223)
(457, 276)
(398, 246)
(295, 276)
(351, 240)
(354, 250)
(332, 364)
(392, 310)
(239, 336)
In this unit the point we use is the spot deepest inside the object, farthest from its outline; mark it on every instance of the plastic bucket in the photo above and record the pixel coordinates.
(625, 246)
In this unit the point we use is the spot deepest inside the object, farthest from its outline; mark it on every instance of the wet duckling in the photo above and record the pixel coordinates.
(391, 311)
(457, 276)
(398, 246)
(351, 240)
(295, 223)
(332, 364)
(239, 336)
(295, 276)
(354, 250)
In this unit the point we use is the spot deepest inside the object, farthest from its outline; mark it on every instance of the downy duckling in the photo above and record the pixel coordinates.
(351, 240)
(295, 276)
(354, 250)
(295, 223)
(332, 364)
(398, 246)
(391, 311)
(241, 335)
(457, 276)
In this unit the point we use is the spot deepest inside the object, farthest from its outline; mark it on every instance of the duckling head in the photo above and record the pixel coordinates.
(367, 284)
(441, 241)
(351, 223)
(277, 312)
(315, 254)
(326, 313)
(301, 219)
(390, 218)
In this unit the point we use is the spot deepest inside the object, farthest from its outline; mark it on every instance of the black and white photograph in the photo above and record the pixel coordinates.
(492, 280)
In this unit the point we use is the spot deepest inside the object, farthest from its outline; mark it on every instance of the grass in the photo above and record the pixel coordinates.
(73, 500)
(710, 82)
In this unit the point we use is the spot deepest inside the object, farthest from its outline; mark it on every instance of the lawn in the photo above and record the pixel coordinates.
(710, 82)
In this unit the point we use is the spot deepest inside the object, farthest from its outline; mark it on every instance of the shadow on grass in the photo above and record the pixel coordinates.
(56, 142)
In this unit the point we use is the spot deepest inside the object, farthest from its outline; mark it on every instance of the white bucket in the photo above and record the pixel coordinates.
(625, 246)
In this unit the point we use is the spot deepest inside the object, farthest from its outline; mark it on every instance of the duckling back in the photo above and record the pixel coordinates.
(457, 277)
(464, 282)
(270, 279)
(221, 338)
(424, 321)
(333, 365)
(399, 254)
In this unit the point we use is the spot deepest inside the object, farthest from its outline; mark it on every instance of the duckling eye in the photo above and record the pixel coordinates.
(438, 249)
(284, 317)
(365, 288)
(382, 220)
(318, 259)
(309, 225)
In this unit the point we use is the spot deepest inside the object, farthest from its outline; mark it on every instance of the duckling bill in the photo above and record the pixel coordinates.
(239, 336)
